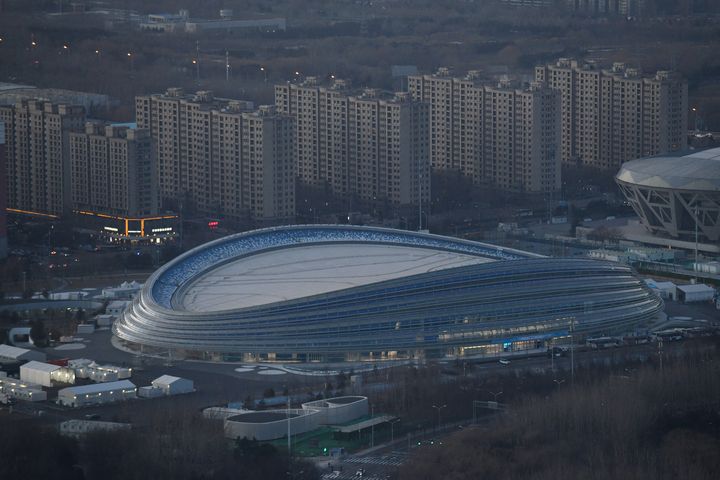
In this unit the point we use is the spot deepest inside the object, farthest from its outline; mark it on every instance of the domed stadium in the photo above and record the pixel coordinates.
(346, 293)
(675, 196)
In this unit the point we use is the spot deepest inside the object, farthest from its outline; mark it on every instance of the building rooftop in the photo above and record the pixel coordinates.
(696, 171)
(263, 417)
(98, 387)
(166, 379)
(695, 288)
(298, 272)
(43, 367)
(8, 351)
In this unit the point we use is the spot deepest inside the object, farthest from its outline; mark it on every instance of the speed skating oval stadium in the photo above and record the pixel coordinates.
(345, 293)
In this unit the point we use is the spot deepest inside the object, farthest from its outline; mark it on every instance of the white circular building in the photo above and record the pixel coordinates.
(674, 195)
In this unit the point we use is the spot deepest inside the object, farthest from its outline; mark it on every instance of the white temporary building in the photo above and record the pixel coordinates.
(104, 320)
(150, 392)
(22, 390)
(117, 307)
(8, 352)
(695, 293)
(124, 290)
(45, 373)
(666, 290)
(85, 328)
(97, 393)
(77, 428)
(99, 373)
(173, 385)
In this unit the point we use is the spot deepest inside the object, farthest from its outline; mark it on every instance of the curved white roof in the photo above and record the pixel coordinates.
(697, 171)
(291, 273)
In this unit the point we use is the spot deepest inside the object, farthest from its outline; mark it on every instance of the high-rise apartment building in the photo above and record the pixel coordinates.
(202, 160)
(520, 138)
(497, 135)
(113, 171)
(268, 164)
(369, 144)
(612, 116)
(38, 154)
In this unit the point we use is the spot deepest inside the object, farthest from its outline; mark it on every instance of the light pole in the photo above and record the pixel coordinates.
(372, 427)
(439, 409)
(559, 382)
(197, 57)
(572, 350)
(288, 425)
(227, 66)
(697, 221)
(262, 69)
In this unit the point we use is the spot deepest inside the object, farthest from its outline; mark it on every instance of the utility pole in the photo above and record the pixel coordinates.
(697, 220)
(197, 62)
(572, 350)
(372, 427)
(227, 66)
(288, 425)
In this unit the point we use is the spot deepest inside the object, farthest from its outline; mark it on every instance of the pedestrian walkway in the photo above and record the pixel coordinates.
(393, 460)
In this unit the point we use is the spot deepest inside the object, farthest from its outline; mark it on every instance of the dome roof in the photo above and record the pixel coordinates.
(697, 171)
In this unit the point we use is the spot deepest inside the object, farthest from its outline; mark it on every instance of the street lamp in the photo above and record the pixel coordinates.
(697, 221)
(262, 69)
(372, 427)
(439, 409)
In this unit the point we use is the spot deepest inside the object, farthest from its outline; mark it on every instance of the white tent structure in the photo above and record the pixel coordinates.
(10, 353)
(96, 394)
(173, 385)
(45, 374)
(695, 293)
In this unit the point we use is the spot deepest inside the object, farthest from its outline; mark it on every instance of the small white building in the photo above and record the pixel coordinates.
(10, 353)
(96, 394)
(124, 290)
(666, 290)
(45, 373)
(85, 328)
(30, 392)
(85, 368)
(150, 392)
(78, 428)
(173, 385)
(117, 307)
(104, 320)
(698, 292)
